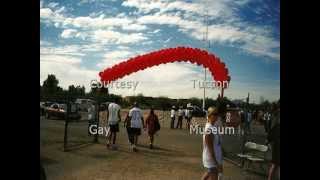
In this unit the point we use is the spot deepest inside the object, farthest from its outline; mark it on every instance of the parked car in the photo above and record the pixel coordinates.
(84, 104)
(60, 111)
(43, 106)
(198, 112)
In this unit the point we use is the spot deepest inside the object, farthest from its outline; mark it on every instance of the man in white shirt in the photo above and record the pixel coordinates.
(248, 121)
(188, 115)
(180, 117)
(136, 123)
(173, 116)
(114, 118)
(91, 117)
(267, 120)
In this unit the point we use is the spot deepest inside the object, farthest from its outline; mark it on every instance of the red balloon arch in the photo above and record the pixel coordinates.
(197, 56)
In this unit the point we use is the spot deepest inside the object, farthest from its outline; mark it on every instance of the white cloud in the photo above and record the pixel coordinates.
(114, 37)
(134, 27)
(44, 43)
(45, 13)
(168, 40)
(68, 50)
(91, 22)
(65, 62)
(214, 8)
(68, 33)
(156, 31)
(67, 73)
(116, 56)
(61, 59)
(53, 4)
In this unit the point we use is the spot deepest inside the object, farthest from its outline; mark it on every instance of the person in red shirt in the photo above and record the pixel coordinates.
(152, 125)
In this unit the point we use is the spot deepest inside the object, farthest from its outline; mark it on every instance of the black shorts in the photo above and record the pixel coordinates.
(134, 131)
(212, 170)
(114, 128)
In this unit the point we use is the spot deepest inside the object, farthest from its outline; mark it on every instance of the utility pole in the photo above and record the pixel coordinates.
(207, 44)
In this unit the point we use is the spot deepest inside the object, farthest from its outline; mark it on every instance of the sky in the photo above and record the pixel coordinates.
(78, 39)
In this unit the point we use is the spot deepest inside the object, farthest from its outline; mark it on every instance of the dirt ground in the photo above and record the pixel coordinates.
(176, 156)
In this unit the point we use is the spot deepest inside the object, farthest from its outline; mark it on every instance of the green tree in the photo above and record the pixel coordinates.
(50, 85)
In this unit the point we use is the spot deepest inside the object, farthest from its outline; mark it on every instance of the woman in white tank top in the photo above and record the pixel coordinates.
(212, 151)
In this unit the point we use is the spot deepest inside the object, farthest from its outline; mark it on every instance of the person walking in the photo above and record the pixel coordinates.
(212, 157)
(134, 125)
(91, 117)
(103, 118)
(188, 115)
(173, 116)
(152, 125)
(248, 121)
(267, 120)
(242, 122)
(180, 117)
(274, 139)
(114, 119)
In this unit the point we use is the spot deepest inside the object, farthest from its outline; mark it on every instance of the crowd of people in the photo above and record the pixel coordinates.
(212, 157)
(181, 114)
(109, 116)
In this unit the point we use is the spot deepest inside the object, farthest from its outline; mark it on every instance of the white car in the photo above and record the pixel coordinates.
(84, 104)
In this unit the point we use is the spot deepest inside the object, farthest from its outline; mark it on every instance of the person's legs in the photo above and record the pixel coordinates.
(269, 125)
(179, 124)
(278, 172)
(172, 122)
(136, 139)
(108, 138)
(265, 126)
(114, 138)
(151, 140)
(211, 174)
(271, 170)
(130, 136)
(205, 176)
(188, 123)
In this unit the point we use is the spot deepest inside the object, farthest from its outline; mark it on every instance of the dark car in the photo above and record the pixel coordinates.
(198, 112)
(60, 111)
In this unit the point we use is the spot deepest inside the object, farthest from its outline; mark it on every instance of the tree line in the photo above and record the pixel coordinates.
(51, 91)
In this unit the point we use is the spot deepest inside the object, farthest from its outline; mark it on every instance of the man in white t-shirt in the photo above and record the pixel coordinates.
(91, 117)
(136, 123)
(180, 117)
(173, 116)
(188, 116)
(114, 118)
(267, 120)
